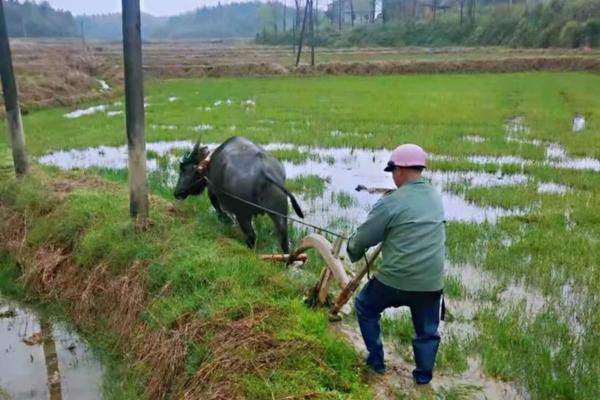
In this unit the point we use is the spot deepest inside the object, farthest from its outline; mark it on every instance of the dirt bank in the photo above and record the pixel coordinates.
(464, 66)
(66, 73)
(99, 296)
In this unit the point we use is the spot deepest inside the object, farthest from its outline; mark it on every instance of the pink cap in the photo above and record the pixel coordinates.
(407, 155)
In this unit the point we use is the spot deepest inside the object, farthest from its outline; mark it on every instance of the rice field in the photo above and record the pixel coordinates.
(516, 157)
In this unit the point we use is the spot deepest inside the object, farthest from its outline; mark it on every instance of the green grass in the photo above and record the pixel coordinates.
(551, 246)
(453, 287)
(292, 155)
(311, 186)
(434, 110)
(344, 199)
(210, 278)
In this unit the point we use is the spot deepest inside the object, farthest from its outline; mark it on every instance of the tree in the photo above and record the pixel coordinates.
(471, 9)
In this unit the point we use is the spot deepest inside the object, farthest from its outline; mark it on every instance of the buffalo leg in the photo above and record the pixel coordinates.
(223, 217)
(245, 222)
(282, 232)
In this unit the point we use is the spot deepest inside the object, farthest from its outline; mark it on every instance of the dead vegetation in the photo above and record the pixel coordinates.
(65, 73)
(465, 66)
(50, 74)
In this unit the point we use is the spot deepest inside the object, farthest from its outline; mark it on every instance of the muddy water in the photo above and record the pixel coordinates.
(36, 357)
(342, 168)
(398, 376)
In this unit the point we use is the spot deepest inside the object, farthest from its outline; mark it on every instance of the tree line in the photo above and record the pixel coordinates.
(341, 23)
(516, 23)
(30, 19)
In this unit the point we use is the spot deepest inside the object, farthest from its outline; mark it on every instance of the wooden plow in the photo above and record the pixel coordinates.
(334, 270)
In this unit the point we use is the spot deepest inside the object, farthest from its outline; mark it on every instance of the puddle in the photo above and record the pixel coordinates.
(498, 160)
(106, 156)
(584, 163)
(343, 168)
(27, 370)
(552, 188)
(473, 139)
(103, 85)
(202, 127)
(164, 127)
(477, 282)
(555, 152)
(86, 111)
(516, 126)
(520, 294)
(478, 179)
(338, 133)
(556, 156)
(578, 123)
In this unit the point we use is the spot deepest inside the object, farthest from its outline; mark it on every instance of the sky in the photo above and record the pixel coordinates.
(154, 7)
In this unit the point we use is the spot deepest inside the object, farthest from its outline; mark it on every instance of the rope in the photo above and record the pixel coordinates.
(233, 196)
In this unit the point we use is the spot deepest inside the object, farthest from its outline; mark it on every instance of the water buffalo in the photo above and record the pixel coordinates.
(243, 169)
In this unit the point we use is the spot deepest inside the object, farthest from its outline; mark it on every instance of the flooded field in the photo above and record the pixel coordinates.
(515, 157)
(342, 170)
(42, 360)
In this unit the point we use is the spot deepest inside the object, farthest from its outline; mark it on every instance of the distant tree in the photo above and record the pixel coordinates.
(30, 19)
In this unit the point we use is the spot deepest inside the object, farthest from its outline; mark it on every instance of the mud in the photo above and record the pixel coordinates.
(398, 377)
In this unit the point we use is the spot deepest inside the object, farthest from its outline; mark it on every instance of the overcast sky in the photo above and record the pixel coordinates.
(155, 7)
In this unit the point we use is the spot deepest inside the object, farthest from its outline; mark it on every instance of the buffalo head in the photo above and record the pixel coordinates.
(191, 173)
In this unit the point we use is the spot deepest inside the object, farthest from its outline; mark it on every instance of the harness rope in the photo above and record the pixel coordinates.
(202, 166)
(233, 196)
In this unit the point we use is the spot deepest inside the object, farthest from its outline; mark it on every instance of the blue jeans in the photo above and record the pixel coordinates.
(425, 311)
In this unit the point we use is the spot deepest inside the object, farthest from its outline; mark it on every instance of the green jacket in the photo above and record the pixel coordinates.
(410, 223)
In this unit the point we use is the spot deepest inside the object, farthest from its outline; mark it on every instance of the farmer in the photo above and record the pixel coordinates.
(410, 223)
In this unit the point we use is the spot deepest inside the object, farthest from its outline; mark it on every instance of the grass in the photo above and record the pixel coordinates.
(551, 247)
(311, 186)
(344, 199)
(434, 110)
(453, 287)
(211, 278)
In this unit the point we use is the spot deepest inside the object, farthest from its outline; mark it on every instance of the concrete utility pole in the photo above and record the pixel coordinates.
(339, 10)
(312, 34)
(302, 33)
(284, 15)
(134, 109)
(11, 100)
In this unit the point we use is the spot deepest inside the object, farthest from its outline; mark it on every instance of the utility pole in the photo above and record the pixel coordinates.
(317, 18)
(82, 33)
(134, 109)
(296, 22)
(11, 100)
(302, 33)
(284, 15)
(312, 34)
(340, 15)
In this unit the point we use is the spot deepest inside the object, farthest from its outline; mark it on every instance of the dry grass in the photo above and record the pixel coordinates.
(65, 73)
(59, 74)
(465, 66)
